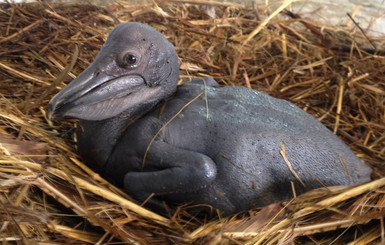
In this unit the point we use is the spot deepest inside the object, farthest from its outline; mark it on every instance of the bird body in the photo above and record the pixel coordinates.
(230, 147)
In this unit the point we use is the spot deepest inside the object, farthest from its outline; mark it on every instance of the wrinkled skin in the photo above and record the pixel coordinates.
(222, 149)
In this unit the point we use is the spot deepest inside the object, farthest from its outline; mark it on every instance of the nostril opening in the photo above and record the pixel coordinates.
(97, 73)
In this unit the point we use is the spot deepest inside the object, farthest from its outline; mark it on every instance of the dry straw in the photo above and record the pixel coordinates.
(48, 196)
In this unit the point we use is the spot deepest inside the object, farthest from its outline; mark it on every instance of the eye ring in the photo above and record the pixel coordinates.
(130, 59)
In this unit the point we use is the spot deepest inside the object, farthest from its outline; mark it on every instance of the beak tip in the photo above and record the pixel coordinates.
(51, 112)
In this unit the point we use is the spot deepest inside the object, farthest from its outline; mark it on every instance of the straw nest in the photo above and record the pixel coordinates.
(47, 195)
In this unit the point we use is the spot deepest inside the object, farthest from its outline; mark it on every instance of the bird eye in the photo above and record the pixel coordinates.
(130, 59)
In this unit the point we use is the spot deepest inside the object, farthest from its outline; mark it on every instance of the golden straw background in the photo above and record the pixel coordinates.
(48, 196)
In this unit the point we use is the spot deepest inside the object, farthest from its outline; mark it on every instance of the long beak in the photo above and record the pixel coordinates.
(94, 95)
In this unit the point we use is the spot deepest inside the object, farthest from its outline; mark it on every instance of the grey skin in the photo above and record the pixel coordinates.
(222, 149)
